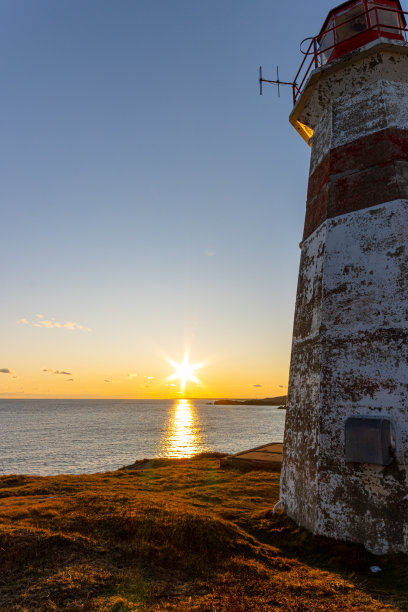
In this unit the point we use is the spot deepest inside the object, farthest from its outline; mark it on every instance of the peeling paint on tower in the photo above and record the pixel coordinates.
(350, 338)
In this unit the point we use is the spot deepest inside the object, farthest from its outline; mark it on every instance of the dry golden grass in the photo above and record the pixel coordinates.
(178, 535)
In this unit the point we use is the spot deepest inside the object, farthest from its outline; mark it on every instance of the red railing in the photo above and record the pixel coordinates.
(321, 54)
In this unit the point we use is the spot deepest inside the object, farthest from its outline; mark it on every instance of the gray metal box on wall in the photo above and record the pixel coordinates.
(369, 440)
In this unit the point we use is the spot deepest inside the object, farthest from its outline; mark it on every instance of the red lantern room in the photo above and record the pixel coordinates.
(355, 23)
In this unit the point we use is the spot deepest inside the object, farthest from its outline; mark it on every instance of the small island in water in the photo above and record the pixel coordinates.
(279, 401)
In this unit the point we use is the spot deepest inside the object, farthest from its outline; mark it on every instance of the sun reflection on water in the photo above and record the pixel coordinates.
(182, 437)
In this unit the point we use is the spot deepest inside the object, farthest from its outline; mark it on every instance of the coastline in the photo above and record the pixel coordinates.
(278, 402)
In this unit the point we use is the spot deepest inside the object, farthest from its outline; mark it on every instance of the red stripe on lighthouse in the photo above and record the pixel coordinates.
(366, 172)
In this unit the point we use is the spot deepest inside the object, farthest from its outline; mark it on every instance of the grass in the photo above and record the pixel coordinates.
(176, 535)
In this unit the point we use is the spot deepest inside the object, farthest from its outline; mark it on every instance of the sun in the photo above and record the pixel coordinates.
(184, 372)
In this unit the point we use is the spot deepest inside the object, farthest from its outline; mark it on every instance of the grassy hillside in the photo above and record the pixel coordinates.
(177, 535)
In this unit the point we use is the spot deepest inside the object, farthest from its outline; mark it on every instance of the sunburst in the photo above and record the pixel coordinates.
(184, 372)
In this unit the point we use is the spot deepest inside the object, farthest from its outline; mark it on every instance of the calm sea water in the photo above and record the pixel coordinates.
(83, 436)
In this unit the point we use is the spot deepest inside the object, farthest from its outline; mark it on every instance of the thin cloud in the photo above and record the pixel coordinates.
(5, 371)
(48, 324)
(257, 385)
(107, 380)
(52, 323)
(70, 380)
(63, 372)
(131, 375)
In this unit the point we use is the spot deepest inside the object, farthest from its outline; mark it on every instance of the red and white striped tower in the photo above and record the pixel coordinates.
(344, 471)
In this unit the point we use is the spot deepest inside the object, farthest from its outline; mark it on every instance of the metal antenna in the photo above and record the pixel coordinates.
(278, 82)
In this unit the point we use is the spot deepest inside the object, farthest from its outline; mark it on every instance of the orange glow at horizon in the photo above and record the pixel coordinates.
(97, 375)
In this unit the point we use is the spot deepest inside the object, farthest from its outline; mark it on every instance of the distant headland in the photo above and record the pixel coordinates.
(279, 401)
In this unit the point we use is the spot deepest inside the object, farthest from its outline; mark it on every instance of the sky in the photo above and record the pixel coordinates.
(152, 203)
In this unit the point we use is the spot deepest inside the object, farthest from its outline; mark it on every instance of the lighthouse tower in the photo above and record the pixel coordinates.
(345, 458)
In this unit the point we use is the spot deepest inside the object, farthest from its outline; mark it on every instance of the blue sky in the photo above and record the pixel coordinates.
(149, 194)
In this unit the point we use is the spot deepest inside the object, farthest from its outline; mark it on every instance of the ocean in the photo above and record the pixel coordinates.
(49, 436)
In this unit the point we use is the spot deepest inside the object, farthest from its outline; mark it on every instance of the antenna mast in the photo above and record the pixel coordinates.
(277, 82)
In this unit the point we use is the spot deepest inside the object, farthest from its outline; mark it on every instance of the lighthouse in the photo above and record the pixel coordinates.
(345, 458)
